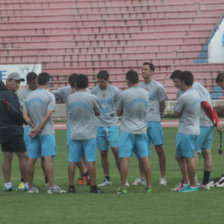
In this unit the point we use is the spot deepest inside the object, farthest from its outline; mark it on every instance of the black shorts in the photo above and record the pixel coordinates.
(16, 144)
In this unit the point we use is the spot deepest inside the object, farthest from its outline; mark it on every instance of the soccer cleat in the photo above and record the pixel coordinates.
(32, 190)
(71, 189)
(55, 189)
(204, 187)
(179, 186)
(122, 191)
(163, 181)
(139, 181)
(148, 190)
(14, 189)
(21, 186)
(188, 188)
(96, 191)
(105, 182)
(80, 182)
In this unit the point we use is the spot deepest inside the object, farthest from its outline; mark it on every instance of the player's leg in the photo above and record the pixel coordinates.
(183, 169)
(124, 161)
(44, 172)
(143, 152)
(185, 149)
(156, 137)
(6, 168)
(33, 152)
(207, 165)
(206, 153)
(90, 147)
(125, 152)
(102, 143)
(74, 158)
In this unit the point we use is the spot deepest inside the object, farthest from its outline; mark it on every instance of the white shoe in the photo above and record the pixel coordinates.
(55, 189)
(127, 184)
(104, 183)
(163, 181)
(178, 186)
(204, 187)
(139, 181)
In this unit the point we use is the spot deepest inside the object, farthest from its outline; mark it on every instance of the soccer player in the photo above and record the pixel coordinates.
(11, 129)
(107, 122)
(156, 107)
(62, 94)
(204, 140)
(83, 107)
(38, 110)
(31, 79)
(132, 106)
(188, 108)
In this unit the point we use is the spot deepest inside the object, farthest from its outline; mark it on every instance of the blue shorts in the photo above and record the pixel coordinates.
(26, 135)
(80, 148)
(137, 143)
(185, 145)
(155, 133)
(106, 136)
(204, 140)
(41, 145)
(68, 134)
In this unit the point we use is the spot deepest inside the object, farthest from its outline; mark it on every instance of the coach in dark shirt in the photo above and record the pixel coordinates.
(11, 129)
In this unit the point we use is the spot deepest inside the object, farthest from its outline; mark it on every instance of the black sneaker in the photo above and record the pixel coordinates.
(96, 191)
(71, 189)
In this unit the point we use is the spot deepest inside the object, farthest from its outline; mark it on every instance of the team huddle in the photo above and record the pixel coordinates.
(92, 118)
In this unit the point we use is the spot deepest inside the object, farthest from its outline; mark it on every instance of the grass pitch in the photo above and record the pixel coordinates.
(162, 206)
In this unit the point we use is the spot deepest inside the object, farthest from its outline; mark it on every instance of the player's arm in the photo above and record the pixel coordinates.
(211, 113)
(162, 106)
(29, 120)
(46, 119)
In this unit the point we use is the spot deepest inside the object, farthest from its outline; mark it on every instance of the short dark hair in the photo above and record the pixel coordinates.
(151, 66)
(220, 77)
(31, 76)
(81, 81)
(132, 76)
(103, 74)
(175, 74)
(43, 78)
(71, 79)
(187, 77)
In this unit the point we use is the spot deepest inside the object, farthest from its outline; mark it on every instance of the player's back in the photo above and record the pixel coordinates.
(133, 102)
(189, 105)
(82, 108)
(37, 104)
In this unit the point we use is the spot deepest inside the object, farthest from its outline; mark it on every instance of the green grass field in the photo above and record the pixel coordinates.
(162, 206)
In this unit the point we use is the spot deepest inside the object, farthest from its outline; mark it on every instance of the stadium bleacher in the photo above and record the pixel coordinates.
(85, 36)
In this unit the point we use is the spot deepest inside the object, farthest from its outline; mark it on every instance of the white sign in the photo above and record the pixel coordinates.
(22, 69)
(216, 46)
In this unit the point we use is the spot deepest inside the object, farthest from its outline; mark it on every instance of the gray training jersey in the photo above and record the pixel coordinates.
(108, 99)
(156, 94)
(204, 96)
(23, 94)
(189, 106)
(37, 104)
(82, 108)
(133, 103)
(62, 94)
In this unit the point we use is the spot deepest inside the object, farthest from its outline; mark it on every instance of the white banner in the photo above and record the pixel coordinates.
(22, 69)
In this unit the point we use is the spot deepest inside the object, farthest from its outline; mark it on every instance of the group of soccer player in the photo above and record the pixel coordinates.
(93, 122)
